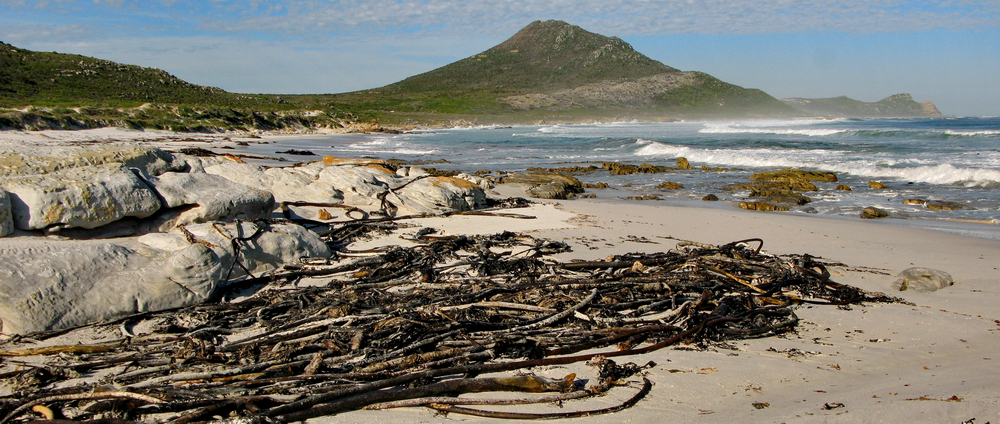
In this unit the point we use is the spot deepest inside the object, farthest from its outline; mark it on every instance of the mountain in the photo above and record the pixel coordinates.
(895, 106)
(556, 71)
(55, 79)
(550, 71)
(544, 56)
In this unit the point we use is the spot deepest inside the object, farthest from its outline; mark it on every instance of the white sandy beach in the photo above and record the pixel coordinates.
(935, 361)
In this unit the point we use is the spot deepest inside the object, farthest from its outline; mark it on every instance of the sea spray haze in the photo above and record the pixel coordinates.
(949, 159)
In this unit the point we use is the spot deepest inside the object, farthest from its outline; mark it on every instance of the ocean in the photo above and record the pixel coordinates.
(946, 159)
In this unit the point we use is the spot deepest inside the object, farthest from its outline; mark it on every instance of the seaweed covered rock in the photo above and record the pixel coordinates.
(780, 195)
(263, 246)
(363, 186)
(763, 207)
(943, 205)
(545, 186)
(669, 185)
(616, 168)
(794, 174)
(793, 179)
(872, 212)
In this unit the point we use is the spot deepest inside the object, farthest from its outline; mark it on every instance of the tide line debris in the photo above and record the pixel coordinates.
(414, 326)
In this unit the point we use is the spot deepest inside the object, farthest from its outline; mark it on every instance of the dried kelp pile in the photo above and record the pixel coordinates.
(418, 326)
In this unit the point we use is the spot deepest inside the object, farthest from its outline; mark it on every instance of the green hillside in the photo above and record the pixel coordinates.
(55, 79)
(42, 90)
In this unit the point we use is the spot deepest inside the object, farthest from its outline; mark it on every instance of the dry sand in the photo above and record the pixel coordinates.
(932, 362)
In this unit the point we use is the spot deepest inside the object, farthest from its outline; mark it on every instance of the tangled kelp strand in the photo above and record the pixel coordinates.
(382, 327)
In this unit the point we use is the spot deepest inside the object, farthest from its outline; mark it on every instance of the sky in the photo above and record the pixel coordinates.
(946, 51)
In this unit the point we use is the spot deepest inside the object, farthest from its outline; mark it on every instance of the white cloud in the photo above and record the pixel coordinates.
(34, 33)
(628, 17)
(113, 3)
(622, 17)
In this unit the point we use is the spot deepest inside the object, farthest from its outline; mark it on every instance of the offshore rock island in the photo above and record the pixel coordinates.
(549, 72)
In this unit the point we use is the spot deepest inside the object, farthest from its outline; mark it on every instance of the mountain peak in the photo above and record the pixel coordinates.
(542, 57)
(561, 44)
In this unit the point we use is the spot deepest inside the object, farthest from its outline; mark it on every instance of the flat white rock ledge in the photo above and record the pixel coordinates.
(48, 284)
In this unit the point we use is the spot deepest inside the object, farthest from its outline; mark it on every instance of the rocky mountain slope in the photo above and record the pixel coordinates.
(552, 66)
(895, 106)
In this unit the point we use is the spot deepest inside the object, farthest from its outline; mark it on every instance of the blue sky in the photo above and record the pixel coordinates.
(946, 51)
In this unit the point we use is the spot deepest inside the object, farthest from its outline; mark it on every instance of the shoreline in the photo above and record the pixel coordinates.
(245, 144)
(929, 361)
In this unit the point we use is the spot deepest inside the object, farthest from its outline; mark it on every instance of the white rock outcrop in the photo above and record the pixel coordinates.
(183, 208)
(365, 184)
(437, 195)
(291, 184)
(210, 197)
(85, 197)
(27, 158)
(50, 284)
(267, 246)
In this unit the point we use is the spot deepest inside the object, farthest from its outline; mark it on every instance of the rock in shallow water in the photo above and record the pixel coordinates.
(762, 206)
(943, 205)
(872, 212)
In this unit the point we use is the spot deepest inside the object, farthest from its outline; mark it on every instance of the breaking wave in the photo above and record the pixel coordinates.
(915, 170)
(809, 132)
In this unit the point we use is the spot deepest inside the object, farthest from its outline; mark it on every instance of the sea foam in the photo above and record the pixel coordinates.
(907, 169)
